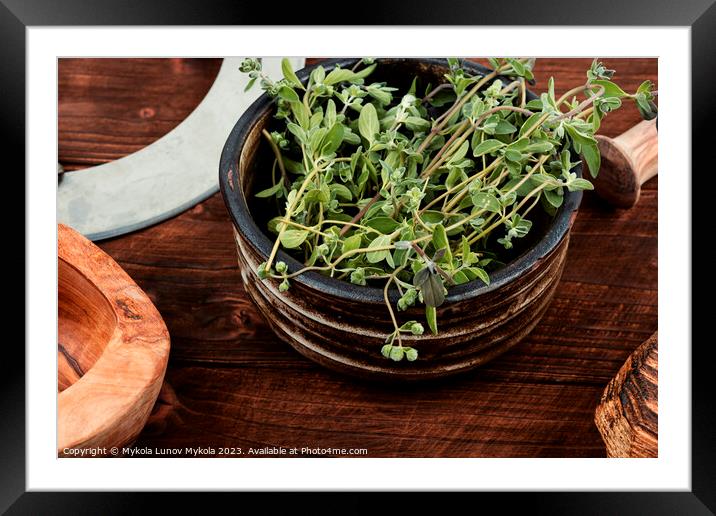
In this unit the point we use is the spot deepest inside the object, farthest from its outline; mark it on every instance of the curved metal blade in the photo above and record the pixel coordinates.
(170, 175)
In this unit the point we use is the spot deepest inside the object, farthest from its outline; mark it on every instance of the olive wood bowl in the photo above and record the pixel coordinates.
(112, 349)
(343, 326)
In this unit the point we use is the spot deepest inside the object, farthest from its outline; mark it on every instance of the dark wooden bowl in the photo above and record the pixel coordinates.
(343, 326)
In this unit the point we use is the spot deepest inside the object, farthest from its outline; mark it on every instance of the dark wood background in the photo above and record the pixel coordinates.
(231, 383)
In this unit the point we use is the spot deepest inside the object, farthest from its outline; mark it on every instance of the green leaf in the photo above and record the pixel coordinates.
(539, 147)
(413, 86)
(382, 96)
(460, 152)
(292, 238)
(486, 201)
(529, 124)
(289, 74)
(517, 66)
(274, 224)
(318, 195)
(504, 127)
(431, 285)
(514, 167)
(645, 87)
(481, 274)
(332, 140)
(417, 124)
(474, 273)
(338, 75)
(579, 137)
(534, 104)
(385, 225)
(377, 256)
(368, 124)
(609, 104)
(455, 176)
(365, 72)
(519, 144)
(316, 138)
(250, 84)
(487, 147)
(552, 182)
(591, 155)
(442, 97)
(352, 242)
(330, 117)
(466, 252)
(610, 89)
(288, 93)
(301, 114)
(440, 240)
(316, 119)
(646, 106)
(460, 278)
(385, 350)
(513, 155)
(554, 197)
(318, 74)
(432, 216)
(432, 317)
(341, 191)
(269, 192)
(518, 227)
(579, 184)
(589, 149)
(524, 188)
(350, 137)
(298, 132)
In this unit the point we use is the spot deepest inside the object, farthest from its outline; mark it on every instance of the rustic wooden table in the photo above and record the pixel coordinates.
(231, 383)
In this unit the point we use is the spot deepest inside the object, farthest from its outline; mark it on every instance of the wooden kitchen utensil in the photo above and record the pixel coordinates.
(628, 161)
(627, 416)
(112, 350)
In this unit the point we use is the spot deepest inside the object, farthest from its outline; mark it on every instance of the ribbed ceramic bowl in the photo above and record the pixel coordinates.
(343, 326)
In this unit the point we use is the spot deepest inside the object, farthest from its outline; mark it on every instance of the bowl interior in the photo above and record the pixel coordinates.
(86, 323)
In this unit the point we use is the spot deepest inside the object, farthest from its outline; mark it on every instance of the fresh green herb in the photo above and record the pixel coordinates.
(419, 193)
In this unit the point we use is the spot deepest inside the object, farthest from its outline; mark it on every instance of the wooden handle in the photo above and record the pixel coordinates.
(640, 144)
(628, 161)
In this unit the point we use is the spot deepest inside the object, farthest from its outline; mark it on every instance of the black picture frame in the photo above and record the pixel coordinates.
(700, 15)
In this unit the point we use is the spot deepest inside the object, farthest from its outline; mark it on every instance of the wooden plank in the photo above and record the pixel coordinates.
(109, 108)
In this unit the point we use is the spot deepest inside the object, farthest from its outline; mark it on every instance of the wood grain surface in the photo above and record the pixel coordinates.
(628, 414)
(117, 106)
(113, 349)
(231, 383)
(627, 162)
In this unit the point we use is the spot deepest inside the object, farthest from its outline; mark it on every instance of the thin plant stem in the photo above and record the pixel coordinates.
(279, 158)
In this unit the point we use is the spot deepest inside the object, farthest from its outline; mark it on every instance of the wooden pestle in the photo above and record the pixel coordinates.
(628, 414)
(628, 161)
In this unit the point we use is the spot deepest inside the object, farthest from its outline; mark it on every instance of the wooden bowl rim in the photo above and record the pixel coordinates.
(246, 226)
(151, 344)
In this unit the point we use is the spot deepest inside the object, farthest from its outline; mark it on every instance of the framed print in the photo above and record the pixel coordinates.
(359, 258)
